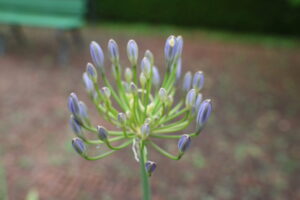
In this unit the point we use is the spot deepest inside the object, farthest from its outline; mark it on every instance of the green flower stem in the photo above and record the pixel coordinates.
(171, 136)
(107, 142)
(101, 142)
(144, 175)
(135, 78)
(120, 87)
(173, 125)
(106, 153)
(94, 130)
(164, 152)
(99, 156)
(113, 93)
(173, 116)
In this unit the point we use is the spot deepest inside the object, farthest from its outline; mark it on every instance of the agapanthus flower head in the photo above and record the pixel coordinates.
(143, 107)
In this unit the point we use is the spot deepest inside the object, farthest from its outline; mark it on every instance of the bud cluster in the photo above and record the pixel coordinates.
(146, 106)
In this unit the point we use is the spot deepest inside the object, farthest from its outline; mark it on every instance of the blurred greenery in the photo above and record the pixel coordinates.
(144, 29)
(277, 16)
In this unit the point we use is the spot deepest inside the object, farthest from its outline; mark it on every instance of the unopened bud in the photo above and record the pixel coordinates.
(102, 133)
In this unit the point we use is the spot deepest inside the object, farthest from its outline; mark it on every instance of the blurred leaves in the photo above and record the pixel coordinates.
(32, 195)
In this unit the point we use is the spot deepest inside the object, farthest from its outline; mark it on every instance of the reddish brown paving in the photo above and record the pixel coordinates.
(249, 147)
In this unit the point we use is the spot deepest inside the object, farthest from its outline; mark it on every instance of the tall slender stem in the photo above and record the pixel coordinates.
(144, 175)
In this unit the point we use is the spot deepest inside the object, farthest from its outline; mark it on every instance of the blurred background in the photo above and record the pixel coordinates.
(249, 51)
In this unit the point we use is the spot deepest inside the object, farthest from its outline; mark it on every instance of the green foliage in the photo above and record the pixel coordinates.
(32, 195)
(280, 16)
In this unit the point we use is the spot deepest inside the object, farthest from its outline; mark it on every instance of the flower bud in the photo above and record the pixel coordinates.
(184, 143)
(76, 127)
(178, 70)
(143, 79)
(198, 102)
(91, 72)
(163, 96)
(106, 92)
(150, 167)
(187, 81)
(133, 88)
(198, 80)
(102, 133)
(97, 55)
(179, 42)
(155, 77)
(128, 75)
(122, 118)
(73, 104)
(170, 48)
(149, 55)
(146, 67)
(83, 110)
(113, 51)
(145, 130)
(203, 113)
(132, 52)
(126, 86)
(89, 85)
(190, 98)
(79, 146)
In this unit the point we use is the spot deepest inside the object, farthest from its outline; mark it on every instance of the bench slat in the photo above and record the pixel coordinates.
(45, 6)
(62, 22)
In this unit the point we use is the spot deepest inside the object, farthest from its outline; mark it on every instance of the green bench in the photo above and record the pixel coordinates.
(64, 15)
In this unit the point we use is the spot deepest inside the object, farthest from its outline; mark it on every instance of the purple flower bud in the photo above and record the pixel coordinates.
(155, 77)
(170, 48)
(83, 110)
(89, 85)
(132, 52)
(179, 42)
(79, 146)
(198, 102)
(73, 104)
(150, 167)
(178, 71)
(163, 96)
(76, 127)
(145, 130)
(203, 113)
(187, 81)
(149, 55)
(91, 71)
(190, 98)
(106, 92)
(122, 118)
(198, 80)
(97, 55)
(146, 67)
(113, 51)
(184, 143)
(102, 133)
(133, 88)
